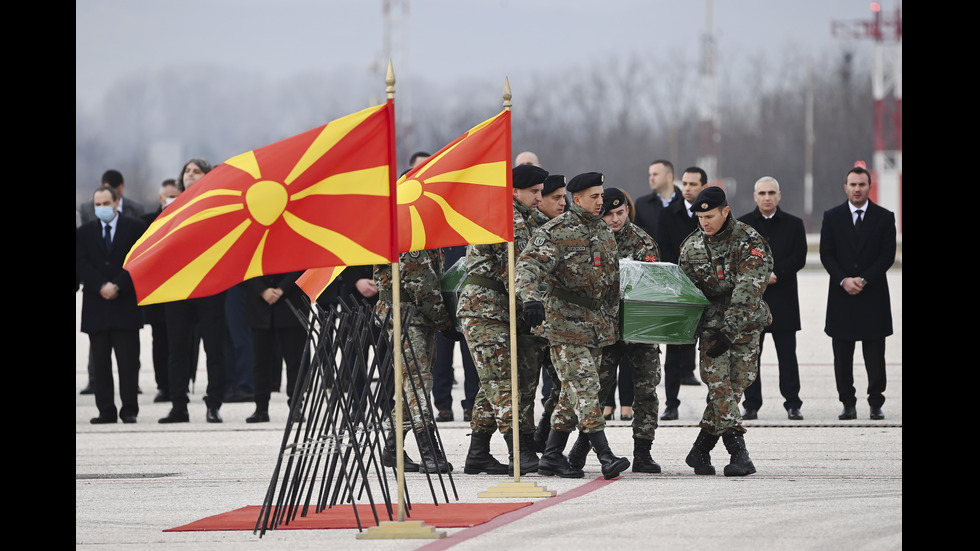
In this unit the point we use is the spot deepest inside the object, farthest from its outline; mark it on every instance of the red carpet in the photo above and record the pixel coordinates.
(446, 515)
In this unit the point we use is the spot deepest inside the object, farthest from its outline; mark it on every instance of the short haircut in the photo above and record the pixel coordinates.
(112, 178)
(668, 164)
(763, 180)
(700, 172)
(859, 170)
(416, 155)
(110, 189)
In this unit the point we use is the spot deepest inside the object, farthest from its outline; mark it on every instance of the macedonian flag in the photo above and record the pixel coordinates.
(320, 198)
(462, 194)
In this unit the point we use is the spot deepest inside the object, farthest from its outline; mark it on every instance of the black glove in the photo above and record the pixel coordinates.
(452, 334)
(722, 344)
(534, 313)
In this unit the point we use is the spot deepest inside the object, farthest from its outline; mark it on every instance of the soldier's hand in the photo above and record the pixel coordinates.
(721, 345)
(534, 313)
(452, 334)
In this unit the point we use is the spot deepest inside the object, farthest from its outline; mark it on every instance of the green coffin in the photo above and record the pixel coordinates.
(659, 303)
(452, 280)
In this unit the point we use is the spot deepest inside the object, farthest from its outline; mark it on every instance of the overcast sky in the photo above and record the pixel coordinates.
(444, 40)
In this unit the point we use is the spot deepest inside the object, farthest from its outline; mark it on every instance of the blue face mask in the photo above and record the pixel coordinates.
(105, 213)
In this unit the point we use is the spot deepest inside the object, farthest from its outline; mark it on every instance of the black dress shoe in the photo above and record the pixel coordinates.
(176, 416)
(848, 413)
(128, 418)
(750, 414)
(877, 414)
(161, 397)
(625, 417)
(89, 389)
(258, 417)
(103, 420)
(690, 380)
(468, 415)
(670, 414)
(608, 417)
(794, 414)
(213, 416)
(444, 415)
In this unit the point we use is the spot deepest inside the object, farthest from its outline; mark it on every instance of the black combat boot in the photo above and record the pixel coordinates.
(261, 414)
(579, 452)
(433, 457)
(541, 433)
(699, 457)
(553, 461)
(529, 460)
(388, 457)
(611, 465)
(741, 465)
(642, 462)
(478, 458)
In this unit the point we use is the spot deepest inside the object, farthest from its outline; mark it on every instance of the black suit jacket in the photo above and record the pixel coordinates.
(866, 315)
(675, 226)
(262, 315)
(787, 240)
(95, 266)
(648, 210)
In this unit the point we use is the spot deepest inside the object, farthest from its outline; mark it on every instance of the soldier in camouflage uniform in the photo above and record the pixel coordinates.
(421, 280)
(634, 243)
(533, 352)
(568, 278)
(730, 263)
(484, 315)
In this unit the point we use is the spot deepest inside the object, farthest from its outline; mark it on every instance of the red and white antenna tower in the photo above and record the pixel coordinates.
(886, 85)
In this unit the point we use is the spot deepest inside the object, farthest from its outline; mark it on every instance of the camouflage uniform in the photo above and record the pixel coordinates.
(571, 266)
(484, 315)
(634, 243)
(421, 281)
(732, 269)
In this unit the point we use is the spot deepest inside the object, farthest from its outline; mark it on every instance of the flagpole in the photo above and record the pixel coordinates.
(516, 488)
(399, 529)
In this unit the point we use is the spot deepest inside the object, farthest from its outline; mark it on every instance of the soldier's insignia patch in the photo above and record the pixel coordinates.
(756, 252)
(521, 243)
(704, 205)
(649, 258)
(415, 254)
(538, 241)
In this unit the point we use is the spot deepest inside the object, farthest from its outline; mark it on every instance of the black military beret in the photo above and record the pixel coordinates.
(552, 183)
(710, 197)
(584, 181)
(526, 176)
(612, 198)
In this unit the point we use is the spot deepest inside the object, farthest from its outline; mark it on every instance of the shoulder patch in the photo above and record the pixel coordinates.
(649, 258)
(538, 241)
(415, 254)
(756, 252)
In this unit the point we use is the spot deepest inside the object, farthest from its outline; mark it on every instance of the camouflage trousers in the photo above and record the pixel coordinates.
(533, 353)
(489, 344)
(727, 377)
(644, 359)
(578, 370)
(417, 361)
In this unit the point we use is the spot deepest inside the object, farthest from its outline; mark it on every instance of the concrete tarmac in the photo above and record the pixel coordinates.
(821, 484)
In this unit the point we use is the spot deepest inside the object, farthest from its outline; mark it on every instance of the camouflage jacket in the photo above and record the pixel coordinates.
(574, 254)
(490, 261)
(636, 244)
(732, 269)
(421, 287)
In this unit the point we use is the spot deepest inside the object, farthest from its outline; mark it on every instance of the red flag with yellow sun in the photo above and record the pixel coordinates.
(320, 198)
(462, 194)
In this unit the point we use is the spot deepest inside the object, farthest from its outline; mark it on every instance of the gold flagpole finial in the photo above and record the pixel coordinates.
(390, 80)
(507, 94)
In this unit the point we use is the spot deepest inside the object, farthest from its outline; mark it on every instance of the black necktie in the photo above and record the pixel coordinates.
(857, 223)
(108, 236)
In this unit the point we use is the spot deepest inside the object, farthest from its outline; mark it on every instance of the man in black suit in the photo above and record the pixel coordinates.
(110, 314)
(787, 239)
(675, 224)
(857, 247)
(663, 193)
(114, 179)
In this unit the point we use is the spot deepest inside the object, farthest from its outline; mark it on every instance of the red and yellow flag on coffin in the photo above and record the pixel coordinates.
(320, 198)
(462, 194)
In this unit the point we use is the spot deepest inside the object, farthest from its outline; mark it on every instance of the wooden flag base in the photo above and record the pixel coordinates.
(517, 489)
(401, 530)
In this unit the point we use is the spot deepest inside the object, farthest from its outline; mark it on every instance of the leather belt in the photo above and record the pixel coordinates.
(486, 282)
(591, 304)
